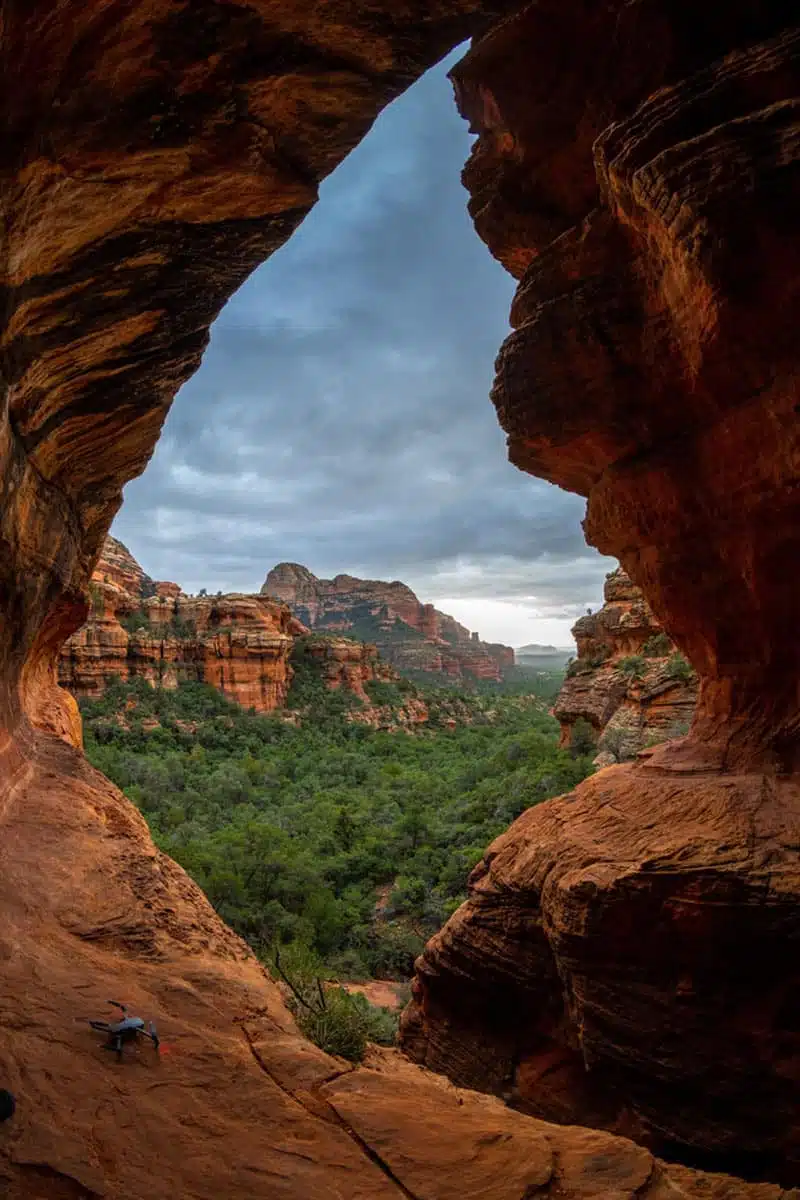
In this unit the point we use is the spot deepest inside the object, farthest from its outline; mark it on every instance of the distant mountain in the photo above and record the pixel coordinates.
(552, 658)
(413, 636)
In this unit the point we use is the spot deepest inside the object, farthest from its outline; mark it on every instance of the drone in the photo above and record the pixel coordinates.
(126, 1030)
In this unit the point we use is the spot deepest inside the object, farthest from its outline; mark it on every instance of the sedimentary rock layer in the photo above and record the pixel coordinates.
(242, 645)
(237, 1105)
(623, 957)
(629, 683)
(154, 154)
(411, 635)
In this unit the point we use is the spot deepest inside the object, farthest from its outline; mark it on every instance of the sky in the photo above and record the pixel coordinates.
(341, 418)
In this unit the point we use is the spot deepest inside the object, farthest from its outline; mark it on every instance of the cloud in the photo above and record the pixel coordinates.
(341, 415)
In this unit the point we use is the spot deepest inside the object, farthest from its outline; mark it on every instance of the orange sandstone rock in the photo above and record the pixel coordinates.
(622, 958)
(409, 634)
(628, 681)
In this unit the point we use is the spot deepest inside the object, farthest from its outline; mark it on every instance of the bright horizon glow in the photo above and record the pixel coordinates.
(509, 623)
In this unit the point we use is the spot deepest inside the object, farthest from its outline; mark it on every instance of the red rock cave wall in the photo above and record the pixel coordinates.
(154, 154)
(636, 169)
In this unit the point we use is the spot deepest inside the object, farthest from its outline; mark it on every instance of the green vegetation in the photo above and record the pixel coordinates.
(176, 627)
(582, 666)
(95, 599)
(335, 1020)
(393, 694)
(367, 627)
(355, 843)
(632, 667)
(133, 622)
(658, 645)
(679, 668)
(516, 681)
(583, 740)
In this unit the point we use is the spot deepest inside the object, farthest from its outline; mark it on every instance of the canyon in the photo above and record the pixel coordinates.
(621, 959)
(247, 647)
(412, 636)
(629, 684)
(625, 956)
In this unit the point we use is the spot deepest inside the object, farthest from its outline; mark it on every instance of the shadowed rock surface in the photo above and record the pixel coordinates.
(154, 153)
(623, 958)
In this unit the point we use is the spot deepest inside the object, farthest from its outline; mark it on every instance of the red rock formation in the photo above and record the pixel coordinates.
(411, 635)
(170, 590)
(117, 566)
(154, 154)
(628, 682)
(239, 644)
(346, 665)
(623, 954)
(238, 1105)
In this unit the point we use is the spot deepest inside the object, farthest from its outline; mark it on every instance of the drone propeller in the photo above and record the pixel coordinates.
(122, 1007)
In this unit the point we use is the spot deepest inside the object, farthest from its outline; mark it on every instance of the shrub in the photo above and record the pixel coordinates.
(632, 667)
(381, 692)
(182, 628)
(583, 739)
(134, 621)
(679, 668)
(658, 645)
(613, 742)
(332, 1018)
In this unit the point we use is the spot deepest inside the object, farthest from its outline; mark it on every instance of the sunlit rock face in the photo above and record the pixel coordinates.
(138, 628)
(623, 957)
(629, 684)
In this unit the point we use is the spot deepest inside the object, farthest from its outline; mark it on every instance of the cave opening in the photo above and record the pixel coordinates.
(340, 417)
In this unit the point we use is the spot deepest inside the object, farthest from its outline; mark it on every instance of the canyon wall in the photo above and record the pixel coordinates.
(636, 167)
(242, 645)
(411, 635)
(139, 628)
(629, 684)
(623, 955)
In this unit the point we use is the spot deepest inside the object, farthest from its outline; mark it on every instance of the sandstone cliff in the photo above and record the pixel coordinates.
(629, 682)
(636, 167)
(137, 628)
(411, 635)
(242, 645)
(342, 664)
(621, 958)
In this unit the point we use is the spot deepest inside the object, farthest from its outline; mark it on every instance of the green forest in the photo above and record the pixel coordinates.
(326, 836)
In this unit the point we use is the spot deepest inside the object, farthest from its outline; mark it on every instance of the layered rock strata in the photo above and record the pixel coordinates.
(409, 634)
(153, 155)
(623, 956)
(629, 683)
(237, 1104)
(242, 645)
(138, 628)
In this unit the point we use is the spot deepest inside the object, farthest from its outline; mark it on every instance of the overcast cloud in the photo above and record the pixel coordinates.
(341, 417)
